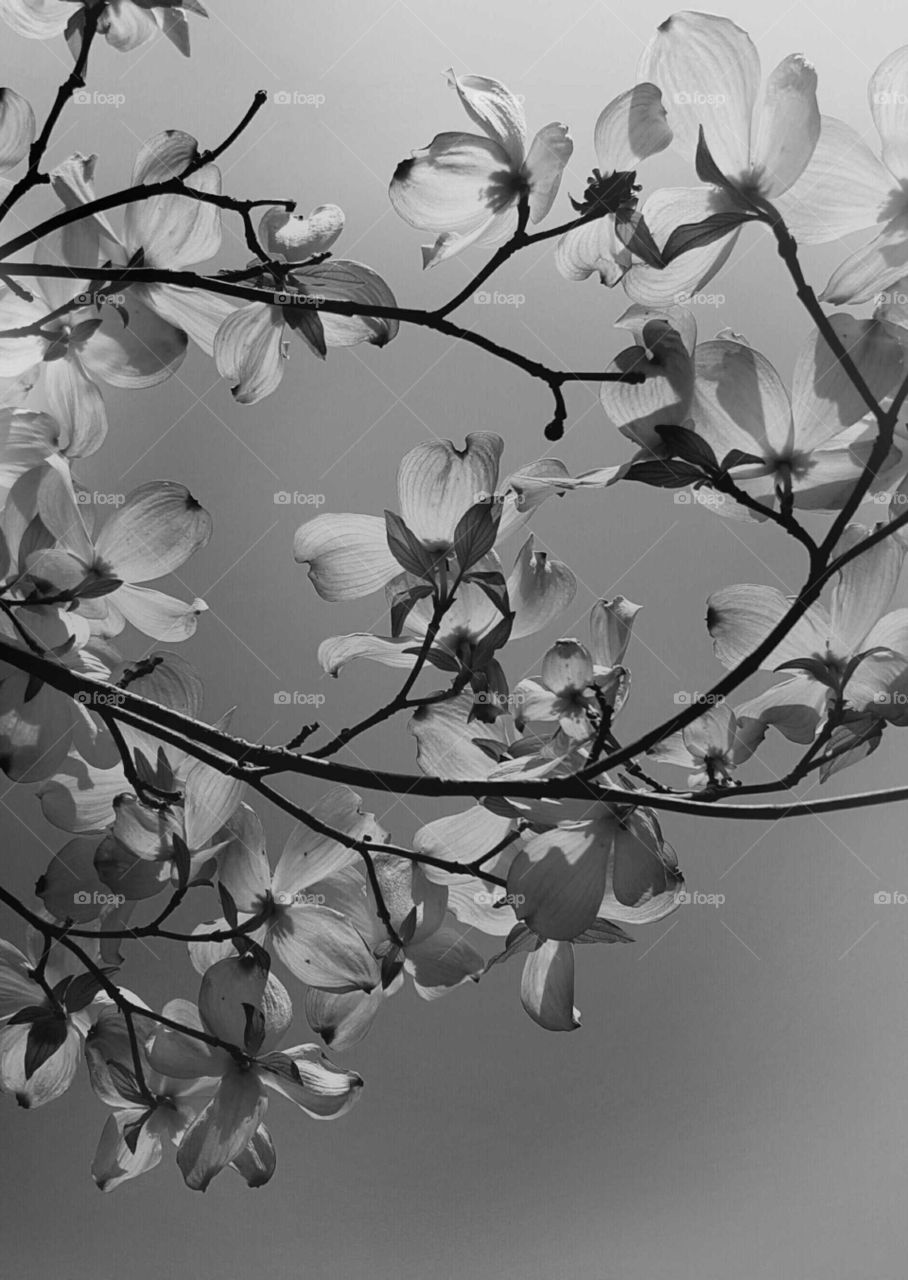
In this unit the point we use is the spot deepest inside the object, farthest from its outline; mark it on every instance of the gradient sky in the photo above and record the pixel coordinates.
(735, 1102)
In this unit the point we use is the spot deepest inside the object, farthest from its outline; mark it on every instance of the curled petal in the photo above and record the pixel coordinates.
(438, 483)
(539, 590)
(17, 128)
(611, 624)
(248, 350)
(495, 109)
(309, 1078)
(296, 237)
(549, 153)
(173, 231)
(547, 986)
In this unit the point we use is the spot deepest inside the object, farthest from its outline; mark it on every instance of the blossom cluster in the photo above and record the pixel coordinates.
(348, 912)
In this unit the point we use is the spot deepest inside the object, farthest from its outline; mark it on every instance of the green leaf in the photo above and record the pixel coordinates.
(693, 235)
(407, 549)
(308, 324)
(181, 860)
(686, 444)
(45, 1037)
(635, 235)
(228, 905)
(81, 991)
(476, 532)
(664, 475)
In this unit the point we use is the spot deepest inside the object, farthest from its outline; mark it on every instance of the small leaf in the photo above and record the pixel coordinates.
(694, 235)
(406, 548)
(636, 236)
(45, 1037)
(254, 1032)
(664, 475)
(228, 905)
(686, 444)
(181, 860)
(738, 458)
(308, 324)
(476, 532)
(81, 991)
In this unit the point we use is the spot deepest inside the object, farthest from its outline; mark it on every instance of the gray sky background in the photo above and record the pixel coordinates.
(734, 1103)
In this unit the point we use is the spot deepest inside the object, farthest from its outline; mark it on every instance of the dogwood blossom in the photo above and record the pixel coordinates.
(852, 649)
(632, 127)
(315, 942)
(46, 1008)
(760, 141)
(242, 1006)
(250, 345)
(813, 442)
(465, 187)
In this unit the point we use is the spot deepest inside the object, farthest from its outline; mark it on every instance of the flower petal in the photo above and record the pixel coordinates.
(157, 529)
(17, 128)
(888, 94)
(455, 184)
(740, 617)
(223, 1129)
(248, 349)
(540, 588)
(173, 231)
(709, 72)
(788, 125)
(309, 1078)
(844, 188)
(495, 109)
(348, 555)
(549, 153)
(547, 987)
(438, 483)
(633, 126)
